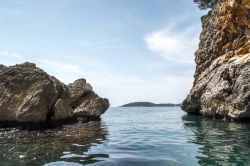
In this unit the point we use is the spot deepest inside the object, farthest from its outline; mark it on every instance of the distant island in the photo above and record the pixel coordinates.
(149, 104)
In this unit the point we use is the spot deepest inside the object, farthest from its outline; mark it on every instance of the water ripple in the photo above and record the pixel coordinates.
(131, 136)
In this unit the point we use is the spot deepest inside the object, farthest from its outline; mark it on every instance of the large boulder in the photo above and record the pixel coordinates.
(28, 94)
(222, 77)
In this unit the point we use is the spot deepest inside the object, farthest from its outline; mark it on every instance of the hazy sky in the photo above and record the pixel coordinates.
(128, 50)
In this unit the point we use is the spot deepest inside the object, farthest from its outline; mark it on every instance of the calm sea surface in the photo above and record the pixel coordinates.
(132, 137)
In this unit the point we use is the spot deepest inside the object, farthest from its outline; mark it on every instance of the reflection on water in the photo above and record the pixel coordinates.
(132, 137)
(68, 144)
(223, 143)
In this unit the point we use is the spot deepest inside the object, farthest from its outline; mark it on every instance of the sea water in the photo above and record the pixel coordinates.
(135, 136)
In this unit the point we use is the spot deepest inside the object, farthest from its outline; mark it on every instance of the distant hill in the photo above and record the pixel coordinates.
(149, 104)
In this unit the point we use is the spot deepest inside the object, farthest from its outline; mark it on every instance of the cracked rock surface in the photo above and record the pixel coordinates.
(28, 94)
(222, 77)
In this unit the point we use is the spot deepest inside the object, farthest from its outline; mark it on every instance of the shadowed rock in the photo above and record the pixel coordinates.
(62, 110)
(29, 95)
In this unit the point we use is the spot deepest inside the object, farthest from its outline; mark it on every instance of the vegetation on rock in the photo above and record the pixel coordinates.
(205, 4)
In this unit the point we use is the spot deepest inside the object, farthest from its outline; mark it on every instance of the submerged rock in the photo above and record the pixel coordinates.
(222, 77)
(29, 95)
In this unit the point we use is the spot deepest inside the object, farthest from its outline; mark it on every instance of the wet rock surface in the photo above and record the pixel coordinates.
(222, 77)
(30, 95)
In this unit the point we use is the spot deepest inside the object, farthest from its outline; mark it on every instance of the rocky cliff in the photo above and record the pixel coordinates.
(29, 95)
(222, 78)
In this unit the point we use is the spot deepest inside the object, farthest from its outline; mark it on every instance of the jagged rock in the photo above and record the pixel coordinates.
(61, 88)
(77, 90)
(62, 110)
(222, 77)
(28, 94)
(86, 102)
(91, 105)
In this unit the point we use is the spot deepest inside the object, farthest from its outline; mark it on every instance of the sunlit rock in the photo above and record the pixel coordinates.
(28, 94)
(222, 77)
(85, 101)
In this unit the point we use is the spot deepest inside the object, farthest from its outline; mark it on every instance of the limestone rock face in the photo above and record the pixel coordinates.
(28, 94)
(222, 77)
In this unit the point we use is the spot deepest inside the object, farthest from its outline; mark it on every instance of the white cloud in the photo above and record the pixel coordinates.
(121, 89)
(176, 46)
(63, 67)
(65, 72)
(11, 57)
(111, 43)
(8, 54)
(85, 43)
(154, 89)
(112, 46)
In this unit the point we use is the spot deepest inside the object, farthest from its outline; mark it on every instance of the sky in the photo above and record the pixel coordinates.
(128, 50)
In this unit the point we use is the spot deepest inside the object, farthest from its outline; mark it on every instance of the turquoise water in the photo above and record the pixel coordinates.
(132, 136)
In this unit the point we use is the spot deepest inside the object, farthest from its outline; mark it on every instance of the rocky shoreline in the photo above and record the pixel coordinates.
(30, 97)
(221, 87)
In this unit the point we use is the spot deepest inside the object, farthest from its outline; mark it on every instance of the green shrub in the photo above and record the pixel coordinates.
(205, 4)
